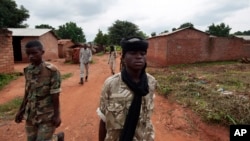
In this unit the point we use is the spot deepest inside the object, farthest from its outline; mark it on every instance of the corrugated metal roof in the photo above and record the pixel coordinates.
(245, 37)
(28, 31)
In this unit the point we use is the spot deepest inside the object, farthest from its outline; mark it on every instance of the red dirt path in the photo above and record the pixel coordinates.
(172, 122)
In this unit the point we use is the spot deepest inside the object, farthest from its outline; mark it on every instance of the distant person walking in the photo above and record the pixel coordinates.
(112, 59)
(85, 57)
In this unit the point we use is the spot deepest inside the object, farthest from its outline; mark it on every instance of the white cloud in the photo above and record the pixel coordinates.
(149, 15)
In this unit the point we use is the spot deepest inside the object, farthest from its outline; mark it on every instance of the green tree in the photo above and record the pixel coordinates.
(11, 15)
(44, 26)
(220, 30)
(123, 29)
(106, 39)
(185, 25)
(142, 34)
(166, 31)
(242, 33)
(99, 38)
(173, 29)
(71, 31)
(153, 34)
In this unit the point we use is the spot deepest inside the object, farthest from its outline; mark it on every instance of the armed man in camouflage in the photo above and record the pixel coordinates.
(126, 102)
(40, 106)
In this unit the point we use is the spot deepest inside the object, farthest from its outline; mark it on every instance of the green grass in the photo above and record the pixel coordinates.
(117, 48)
(201, 86)
(9, 109)
(7, 78)
(99, 53)
(66, 76)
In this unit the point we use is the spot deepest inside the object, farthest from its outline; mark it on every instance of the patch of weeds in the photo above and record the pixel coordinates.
(65, 76)
(7, 78)
(99, 53)
(92, 61)
(196, 86)
(9, 109)
(68, 62)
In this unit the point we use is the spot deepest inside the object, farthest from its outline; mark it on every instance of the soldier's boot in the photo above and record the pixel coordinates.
(60, 136)
(81, 81)
(86, 78)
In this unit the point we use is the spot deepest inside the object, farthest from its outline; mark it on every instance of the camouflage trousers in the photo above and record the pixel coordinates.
(39, 132)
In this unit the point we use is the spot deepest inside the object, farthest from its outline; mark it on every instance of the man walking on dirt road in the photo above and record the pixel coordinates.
(126, 102)
(85, 57)
(40, 106)
(112, 59)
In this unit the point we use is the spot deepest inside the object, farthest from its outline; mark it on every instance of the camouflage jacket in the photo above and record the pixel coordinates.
(41, 82)
(115, 101)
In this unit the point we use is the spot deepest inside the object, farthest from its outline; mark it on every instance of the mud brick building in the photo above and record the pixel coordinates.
(190, 45)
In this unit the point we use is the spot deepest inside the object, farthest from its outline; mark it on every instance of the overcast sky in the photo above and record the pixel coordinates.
(149, 15)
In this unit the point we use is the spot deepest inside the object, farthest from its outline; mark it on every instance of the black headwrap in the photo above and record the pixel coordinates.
(134, 44)
(139, 89)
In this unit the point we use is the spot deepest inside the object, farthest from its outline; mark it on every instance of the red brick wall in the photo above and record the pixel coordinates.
(246, 48)
(63, 48)
(187, 46)
(190, 46)
(50, 45)
(6, 52)
(156, 54)
(222, 49)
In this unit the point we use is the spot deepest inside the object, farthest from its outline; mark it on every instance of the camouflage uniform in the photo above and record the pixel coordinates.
(85, 56)
(115, 101)
(41, 83)
(112, 58)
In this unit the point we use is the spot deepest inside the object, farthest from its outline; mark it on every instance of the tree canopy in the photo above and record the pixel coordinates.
(101, 39)
(187, 24)
(220, 30)
(11, 15)
(242, 33)
(44, 26)
(123, 29)
(153, 34)
(71, 31)
(184, 25)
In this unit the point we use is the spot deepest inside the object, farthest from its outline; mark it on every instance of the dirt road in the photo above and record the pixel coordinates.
(79, 103)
